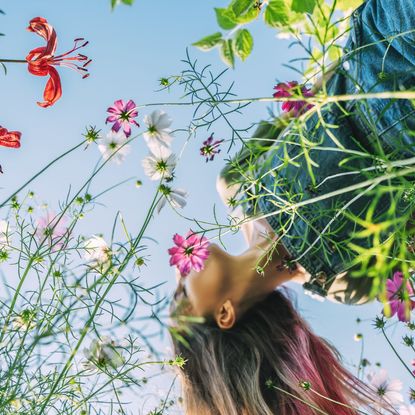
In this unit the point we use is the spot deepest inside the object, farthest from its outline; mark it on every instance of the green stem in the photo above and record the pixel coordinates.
(397, 354)
(13, 61)
(41, 171)
(301, 400)
(338, 403)
(312, 100)
(88, 323)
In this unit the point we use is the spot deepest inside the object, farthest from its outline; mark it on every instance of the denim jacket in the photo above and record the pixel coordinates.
(340, 148)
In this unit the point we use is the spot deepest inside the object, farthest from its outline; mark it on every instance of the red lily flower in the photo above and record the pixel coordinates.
(9, 138)
(42, 60)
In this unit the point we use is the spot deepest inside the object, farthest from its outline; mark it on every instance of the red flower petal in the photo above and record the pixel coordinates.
(53, 89)
(40, 26)
(10, 139)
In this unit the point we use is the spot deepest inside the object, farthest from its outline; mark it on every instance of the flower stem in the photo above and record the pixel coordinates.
(13, 60)
(397, 354)
(301, 400)
(338, 403)
(41, 171)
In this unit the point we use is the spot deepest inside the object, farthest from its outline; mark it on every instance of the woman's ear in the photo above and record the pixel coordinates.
(226, 316)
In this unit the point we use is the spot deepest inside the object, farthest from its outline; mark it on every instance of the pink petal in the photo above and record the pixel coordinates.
(116, 127)
(173, 250)
(402, 316)
(394, 305)
(178, 239)
(391, 287)
(130, 105)
(127, 129)
(113, 110)
(119, 104)
(397, 279)
(176, 259)
(111, 118)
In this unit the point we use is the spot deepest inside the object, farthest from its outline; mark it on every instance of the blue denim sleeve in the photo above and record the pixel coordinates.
(381, 57)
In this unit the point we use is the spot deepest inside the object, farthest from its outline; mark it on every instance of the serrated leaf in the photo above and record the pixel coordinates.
(226, 53)
(209, 42)
(113, 3)
(303, 6)
(240, 7)
(276, 14)
(226, 18)
(243, 44)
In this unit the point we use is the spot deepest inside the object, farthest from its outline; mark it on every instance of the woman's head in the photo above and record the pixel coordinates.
(228, 285)
(256, 366)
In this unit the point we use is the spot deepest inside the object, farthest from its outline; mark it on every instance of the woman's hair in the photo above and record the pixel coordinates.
(269, 362)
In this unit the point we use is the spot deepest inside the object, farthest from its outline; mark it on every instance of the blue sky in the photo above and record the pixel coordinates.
(131, 49)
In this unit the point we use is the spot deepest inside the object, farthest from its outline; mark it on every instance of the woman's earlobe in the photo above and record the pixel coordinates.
(226, 316)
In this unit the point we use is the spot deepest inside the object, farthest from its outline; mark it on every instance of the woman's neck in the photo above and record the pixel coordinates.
(260, 269)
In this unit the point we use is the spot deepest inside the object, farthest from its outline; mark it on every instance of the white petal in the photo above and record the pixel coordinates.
(161, 204)
(164, 121)
(160, 152)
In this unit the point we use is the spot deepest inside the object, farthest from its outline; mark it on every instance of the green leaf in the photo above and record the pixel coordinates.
(240, 7)
(348, 4)
(248, 16)
(226, 18)
(226, 52)
(276, 14)
(115, 3)
(209, 42)
(303, 6)
(243, 44)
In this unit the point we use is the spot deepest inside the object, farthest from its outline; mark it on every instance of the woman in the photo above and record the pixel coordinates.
(253, 354)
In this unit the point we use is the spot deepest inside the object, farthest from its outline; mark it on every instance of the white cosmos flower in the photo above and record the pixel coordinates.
(104, 352)
(158, 131)
(407, 410)
(97, 251)
(114, 143)
(387, 389)
(4, 234)
(176, 197)
(159, 164)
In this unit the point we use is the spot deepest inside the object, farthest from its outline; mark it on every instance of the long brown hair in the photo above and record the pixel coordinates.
(269, 362)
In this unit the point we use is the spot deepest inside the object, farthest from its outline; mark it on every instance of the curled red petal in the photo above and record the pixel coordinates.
(10, 139)
(41, 27)
(53, 89)
(36, 53)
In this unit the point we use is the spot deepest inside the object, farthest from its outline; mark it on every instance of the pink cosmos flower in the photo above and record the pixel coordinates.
(210, 148)
(122, 115)
(52, 229)
(394, 293)
(292, 89)
(190, 251)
